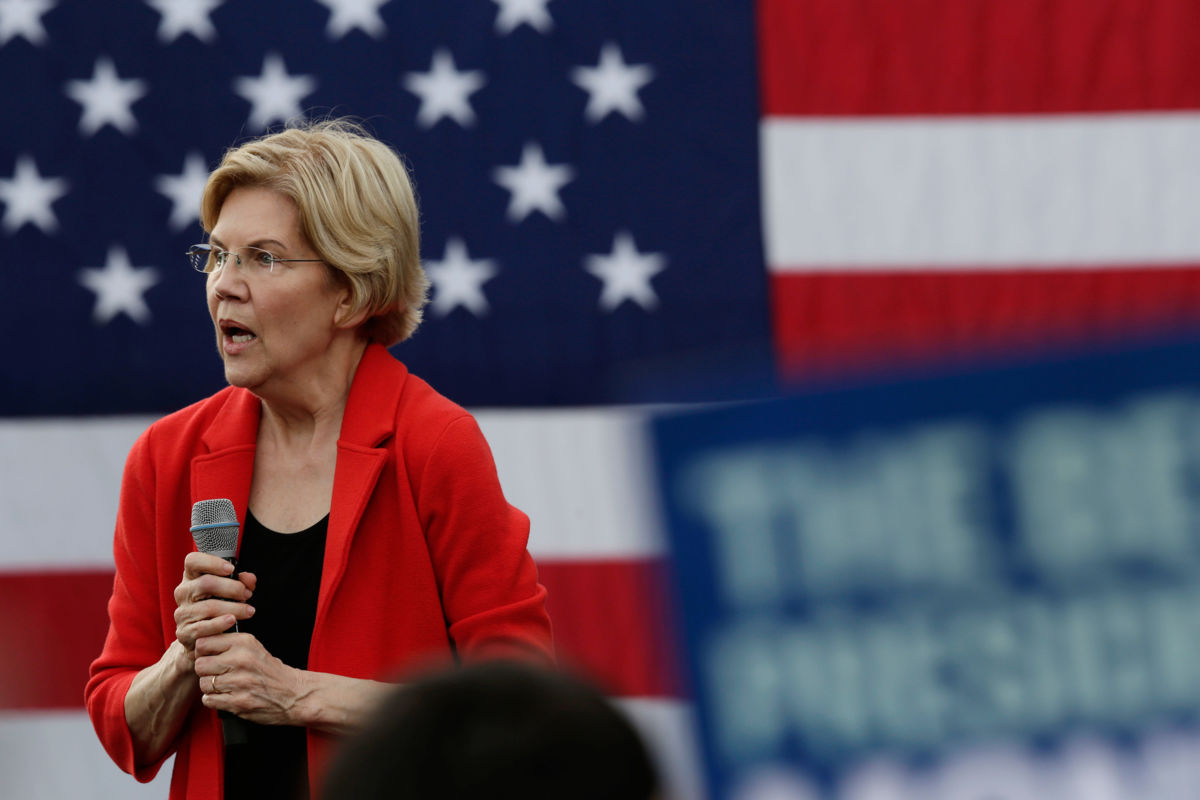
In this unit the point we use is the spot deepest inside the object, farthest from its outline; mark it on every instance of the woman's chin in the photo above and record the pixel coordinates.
(241, 375)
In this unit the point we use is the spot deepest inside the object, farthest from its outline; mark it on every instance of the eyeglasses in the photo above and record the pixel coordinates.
(206, 258)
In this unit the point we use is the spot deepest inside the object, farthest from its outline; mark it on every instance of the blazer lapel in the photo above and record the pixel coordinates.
(368, 422)
(357, 472)
(226, 470)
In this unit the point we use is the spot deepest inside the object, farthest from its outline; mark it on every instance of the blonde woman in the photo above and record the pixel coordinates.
(375, 535)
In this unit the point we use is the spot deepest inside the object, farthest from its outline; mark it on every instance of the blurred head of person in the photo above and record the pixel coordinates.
(495, 730)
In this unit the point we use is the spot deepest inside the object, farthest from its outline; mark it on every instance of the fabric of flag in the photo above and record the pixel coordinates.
(945, 178)
(621, 202)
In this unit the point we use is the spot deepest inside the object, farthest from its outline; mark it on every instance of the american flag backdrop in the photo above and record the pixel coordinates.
(622, 203)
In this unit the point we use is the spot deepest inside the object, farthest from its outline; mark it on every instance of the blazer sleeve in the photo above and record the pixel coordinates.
(491, 597)
(135, 635)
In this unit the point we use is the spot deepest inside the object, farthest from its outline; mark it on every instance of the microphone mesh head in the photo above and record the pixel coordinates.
(219, 541)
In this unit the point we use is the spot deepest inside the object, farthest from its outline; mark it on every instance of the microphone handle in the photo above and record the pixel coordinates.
(234, 575)
(234, 729)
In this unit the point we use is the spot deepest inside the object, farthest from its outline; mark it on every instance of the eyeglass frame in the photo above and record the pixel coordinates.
(209, 251)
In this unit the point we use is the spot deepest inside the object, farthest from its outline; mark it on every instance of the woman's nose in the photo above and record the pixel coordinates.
(228, 281)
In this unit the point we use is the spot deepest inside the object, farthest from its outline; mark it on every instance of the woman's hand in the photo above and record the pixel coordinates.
(238, 675)
(161, 695)
(208, 601)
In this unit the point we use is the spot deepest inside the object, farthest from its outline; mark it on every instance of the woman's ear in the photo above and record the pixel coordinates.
(344, 314)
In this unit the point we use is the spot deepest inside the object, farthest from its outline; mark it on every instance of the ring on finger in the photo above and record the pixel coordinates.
(212, 685)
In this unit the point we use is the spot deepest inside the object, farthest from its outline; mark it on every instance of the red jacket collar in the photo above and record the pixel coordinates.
(379, 381)
(368, 420)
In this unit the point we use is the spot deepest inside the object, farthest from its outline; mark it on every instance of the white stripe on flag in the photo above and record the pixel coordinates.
(670, 732)
(584, 478)
(581, 475)
(981, 192)
(59, 493)
(53, 755)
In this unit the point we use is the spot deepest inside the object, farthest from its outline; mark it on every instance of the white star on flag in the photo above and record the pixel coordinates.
(458, 281)
(626, 274)
(185, 190)
(106, 99)
(185, 16)
(274, 95)
(513, 13)
(534, 184)
(612, 85)
(346, 15)
(27, 197)
(119, 288)
(444, 90)
(23, 18)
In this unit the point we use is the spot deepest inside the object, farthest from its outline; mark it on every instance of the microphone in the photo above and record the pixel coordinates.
(215, 530)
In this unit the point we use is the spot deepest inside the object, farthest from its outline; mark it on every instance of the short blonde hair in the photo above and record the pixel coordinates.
(356, 207)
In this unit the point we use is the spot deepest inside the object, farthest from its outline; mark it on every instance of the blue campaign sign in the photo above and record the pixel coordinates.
(980, 584)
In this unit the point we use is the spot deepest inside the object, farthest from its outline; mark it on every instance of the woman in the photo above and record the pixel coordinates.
(376, 536)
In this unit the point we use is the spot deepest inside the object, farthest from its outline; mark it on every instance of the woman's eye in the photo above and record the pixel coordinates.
(264, 259)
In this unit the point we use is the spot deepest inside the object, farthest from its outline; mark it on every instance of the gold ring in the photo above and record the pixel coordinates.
(213, 689)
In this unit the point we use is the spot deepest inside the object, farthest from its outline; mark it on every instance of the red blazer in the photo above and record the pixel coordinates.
(424, 557)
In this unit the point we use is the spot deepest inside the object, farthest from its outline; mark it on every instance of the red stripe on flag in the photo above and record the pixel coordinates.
(833, 323)
(52, 627)
(613, 623)
(854, 57)
(610, 619)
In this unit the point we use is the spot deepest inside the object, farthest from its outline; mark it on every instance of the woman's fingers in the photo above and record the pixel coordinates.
(208, 600)
(216, 645)
(194, 590)
(222, 659)
(210, 609)
(189, 633)
(196, 564)
(248, 579)
(207, 617)
(238, 675)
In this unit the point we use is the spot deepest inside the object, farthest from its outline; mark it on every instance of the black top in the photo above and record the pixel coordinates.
(274, 760)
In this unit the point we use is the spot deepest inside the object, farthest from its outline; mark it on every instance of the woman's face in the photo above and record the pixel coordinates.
(273, 327)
